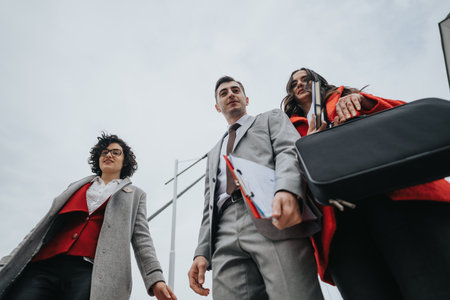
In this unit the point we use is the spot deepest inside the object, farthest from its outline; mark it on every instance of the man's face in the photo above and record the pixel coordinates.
(231, 100)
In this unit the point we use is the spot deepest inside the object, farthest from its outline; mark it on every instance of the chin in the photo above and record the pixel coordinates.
(304, 98)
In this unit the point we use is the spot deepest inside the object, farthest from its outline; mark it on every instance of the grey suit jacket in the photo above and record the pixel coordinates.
(267, 139)
(125, 220)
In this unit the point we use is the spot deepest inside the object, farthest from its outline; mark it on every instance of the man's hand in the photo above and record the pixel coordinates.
(285, 210)
(163, 292)
(197, 276)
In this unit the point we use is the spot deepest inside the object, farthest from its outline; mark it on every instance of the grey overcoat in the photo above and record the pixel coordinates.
(125, 221)
(267, 139)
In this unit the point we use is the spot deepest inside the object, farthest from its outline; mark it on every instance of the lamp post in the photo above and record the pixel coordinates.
(174, 217)
(444, 28)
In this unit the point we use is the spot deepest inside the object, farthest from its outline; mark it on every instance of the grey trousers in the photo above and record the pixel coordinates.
(246, 265)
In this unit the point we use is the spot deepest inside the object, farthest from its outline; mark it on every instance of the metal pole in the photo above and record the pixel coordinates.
(172, 243)
(204, 156)
(170, 202)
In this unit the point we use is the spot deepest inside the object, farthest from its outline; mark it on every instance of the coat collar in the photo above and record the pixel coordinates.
(73, 187)
(215, 152)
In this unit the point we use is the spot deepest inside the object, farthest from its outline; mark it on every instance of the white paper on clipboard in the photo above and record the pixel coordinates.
(259, 181)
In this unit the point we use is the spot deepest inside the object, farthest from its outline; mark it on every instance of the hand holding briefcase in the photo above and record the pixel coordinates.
(374, 154)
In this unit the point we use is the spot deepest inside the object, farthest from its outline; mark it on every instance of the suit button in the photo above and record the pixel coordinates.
(87, 219)
(210, 207)
(74, 236)
(214, 180)
(103, 251)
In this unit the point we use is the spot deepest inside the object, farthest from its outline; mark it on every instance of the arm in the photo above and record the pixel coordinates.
(197, 275)
(356, 104)
(283, 135)
(146, 255)
(201, 261)
(203, 246)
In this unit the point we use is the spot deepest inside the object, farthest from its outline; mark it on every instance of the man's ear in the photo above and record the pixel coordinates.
(217, 108)
(246, 101)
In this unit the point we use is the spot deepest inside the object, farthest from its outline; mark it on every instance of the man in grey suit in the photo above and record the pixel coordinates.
(254, 258)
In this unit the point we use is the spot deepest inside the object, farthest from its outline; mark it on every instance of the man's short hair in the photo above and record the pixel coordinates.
(227, 79)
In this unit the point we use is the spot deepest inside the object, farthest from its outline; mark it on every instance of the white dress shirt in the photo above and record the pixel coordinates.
(221, 187)
(98, 192)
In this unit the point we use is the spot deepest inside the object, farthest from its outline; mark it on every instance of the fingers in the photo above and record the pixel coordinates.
(337, 121)
(322, 127)
(197, 276)
(276, 209)
(356, 99)
(341, 110)
(170, 294)
(289, 210)
(312, 126)
(201, 272)
(163, 292)
(348, 106)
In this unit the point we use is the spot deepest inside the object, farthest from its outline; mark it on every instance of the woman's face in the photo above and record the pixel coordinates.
(111, 160)
(299, 88)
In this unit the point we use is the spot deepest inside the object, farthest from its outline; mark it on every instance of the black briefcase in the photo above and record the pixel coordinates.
(374, 154)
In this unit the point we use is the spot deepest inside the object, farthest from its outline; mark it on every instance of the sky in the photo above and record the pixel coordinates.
(145, 70)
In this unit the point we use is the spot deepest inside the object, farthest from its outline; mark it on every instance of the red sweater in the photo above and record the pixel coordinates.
(438, 190)
(80, 231)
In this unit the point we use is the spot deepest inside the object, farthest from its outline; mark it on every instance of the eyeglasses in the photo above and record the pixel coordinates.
(114, 152)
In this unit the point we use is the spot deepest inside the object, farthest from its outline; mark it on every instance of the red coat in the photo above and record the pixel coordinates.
(438, 190)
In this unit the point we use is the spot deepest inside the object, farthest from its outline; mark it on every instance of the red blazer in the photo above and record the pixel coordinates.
(79, 234)
(438, 190)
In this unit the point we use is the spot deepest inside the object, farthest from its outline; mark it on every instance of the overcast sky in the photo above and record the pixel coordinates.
(146, 70)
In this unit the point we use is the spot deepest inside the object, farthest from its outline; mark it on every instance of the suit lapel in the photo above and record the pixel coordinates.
(60, 200)
(214, 157)
(243, 130)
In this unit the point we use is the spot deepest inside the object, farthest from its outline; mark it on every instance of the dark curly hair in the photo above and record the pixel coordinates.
(289, 103)
(129, 159)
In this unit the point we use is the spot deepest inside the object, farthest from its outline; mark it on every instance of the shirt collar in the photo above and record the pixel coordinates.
(98, 179)
(241, 121)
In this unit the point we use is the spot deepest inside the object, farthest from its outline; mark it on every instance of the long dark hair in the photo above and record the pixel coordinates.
(289, 103)
(129, 159)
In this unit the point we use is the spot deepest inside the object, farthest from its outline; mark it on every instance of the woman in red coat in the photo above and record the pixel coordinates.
(393, 246)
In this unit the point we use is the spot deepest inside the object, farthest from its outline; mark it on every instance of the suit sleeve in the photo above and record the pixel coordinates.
(283, 136)
(144, 249)
(204, 238)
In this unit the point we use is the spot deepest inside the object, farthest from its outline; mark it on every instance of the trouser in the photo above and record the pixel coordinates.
(246, 265)
(61, 277)
(388, 249)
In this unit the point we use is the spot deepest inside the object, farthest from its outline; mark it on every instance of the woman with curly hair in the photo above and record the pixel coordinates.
(392, 246)
(81, 248)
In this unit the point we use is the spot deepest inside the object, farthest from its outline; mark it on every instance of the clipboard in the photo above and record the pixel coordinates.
(247, 194)
(257, 184)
